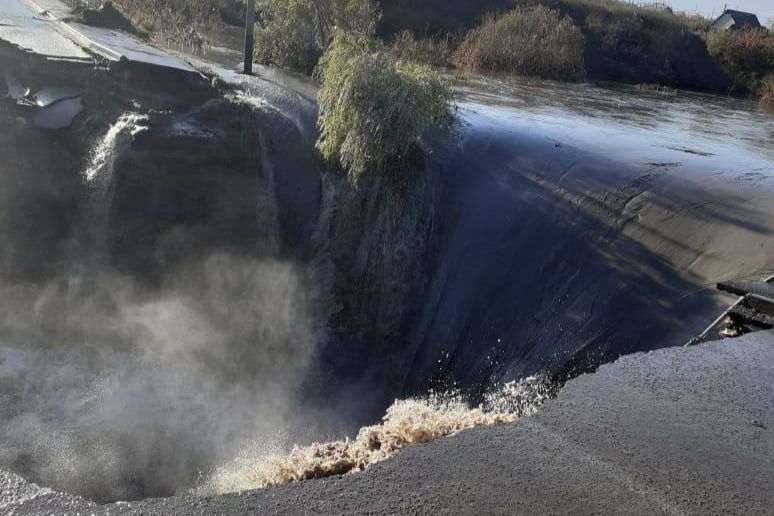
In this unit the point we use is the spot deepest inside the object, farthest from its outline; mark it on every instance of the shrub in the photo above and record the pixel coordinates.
(294, 33)
(104, 15)
(374, 110)
(429, 51)
(616, 31)
(695, 22)
(746, 56)
(622, 41)
(534, 41)
(633, 44)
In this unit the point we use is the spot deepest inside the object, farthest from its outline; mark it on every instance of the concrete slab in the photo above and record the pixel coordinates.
(117, 46)
(678, 431)
(43, 27)
(53, 8)
(19, 27)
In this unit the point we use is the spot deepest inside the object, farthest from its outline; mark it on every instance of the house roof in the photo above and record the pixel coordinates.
(738, 19)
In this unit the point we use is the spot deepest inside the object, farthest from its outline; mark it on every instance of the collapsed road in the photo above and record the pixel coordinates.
(555, 234)
(46, 29)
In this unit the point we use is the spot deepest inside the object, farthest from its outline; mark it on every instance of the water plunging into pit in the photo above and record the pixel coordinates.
(247, 299)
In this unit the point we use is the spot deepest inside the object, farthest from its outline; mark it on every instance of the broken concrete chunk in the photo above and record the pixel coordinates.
(49, 95)
(59, 115)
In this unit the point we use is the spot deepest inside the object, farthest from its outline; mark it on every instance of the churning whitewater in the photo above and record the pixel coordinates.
(406, 423)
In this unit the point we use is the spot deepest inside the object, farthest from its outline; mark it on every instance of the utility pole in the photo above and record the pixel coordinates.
(249, 36)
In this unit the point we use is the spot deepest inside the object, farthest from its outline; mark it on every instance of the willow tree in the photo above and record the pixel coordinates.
(375, 110)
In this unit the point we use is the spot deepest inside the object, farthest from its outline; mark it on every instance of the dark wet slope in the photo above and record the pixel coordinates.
(576, 231)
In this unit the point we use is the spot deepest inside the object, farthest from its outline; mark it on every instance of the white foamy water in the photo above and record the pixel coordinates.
(109, 147)
(406, 423)
(98, 175)
(264, 101)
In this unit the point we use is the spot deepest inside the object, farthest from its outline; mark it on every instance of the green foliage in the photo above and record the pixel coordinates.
(534, 41)
(375, 110)
(294, 33)
(746, 56)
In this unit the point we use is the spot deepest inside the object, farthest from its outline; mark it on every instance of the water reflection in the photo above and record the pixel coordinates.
(707, 131)
(694, 124)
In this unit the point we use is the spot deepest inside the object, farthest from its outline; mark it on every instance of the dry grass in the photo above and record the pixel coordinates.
(626, 43)
(695, 22)
(534, 41)
(430, 51)
(622, 42)
(746, 56)
(178, 21)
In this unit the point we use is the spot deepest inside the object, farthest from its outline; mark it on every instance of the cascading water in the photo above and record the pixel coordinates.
(98, 176)
(267, 218)
(102, 161)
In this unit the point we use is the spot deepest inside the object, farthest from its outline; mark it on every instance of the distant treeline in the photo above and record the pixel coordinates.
(621, 42)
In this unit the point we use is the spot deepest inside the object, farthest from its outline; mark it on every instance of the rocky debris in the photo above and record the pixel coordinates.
(743, 288)
(16, 494)
(754, 311)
